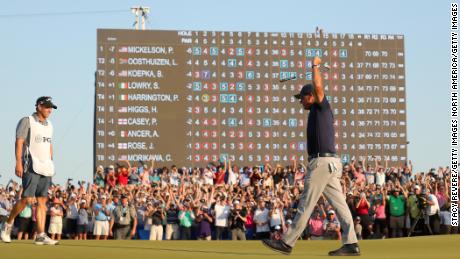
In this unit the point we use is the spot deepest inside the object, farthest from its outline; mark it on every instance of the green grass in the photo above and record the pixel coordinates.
(445, 247)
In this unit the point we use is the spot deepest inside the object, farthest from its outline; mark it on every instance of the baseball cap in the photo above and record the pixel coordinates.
(45, 101)
(111, 167)
(103, 197)
(306, 90)
(417, 187)
(330, 212)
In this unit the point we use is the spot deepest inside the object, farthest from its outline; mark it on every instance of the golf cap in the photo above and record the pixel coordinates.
(46, 101)
(306, 90)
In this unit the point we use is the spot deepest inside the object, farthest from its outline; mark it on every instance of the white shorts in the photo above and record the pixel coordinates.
(101, 228)
(55, 228)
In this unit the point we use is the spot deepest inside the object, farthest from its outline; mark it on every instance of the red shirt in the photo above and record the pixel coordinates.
(123, 178)
(220, 178)
(362, 209)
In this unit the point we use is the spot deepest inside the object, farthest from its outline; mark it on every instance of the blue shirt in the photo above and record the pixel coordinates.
(102, 216)
(320, 129)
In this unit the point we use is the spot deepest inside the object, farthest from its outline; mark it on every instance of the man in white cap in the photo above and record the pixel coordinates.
(331, 227)
(34, 164)
(415, 213)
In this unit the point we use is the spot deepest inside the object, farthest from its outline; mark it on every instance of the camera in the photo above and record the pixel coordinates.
(421, 202)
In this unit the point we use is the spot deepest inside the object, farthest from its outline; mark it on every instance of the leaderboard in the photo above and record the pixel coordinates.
(194, 97)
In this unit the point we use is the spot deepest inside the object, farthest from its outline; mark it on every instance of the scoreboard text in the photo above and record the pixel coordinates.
(193, 97)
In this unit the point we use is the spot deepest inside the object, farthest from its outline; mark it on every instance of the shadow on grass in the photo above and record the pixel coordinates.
(176, 250)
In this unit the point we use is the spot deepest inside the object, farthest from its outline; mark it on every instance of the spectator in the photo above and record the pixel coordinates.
(24, 220)
(219, 176)
(71, 217)
(262, 220)
(237, 222)
(123, 220)
(315, 228)
(123, 173)
(172, 220)
(358, 228)
(331, 227)
(5, 206)
(101, 224)
(111, 178)
(445, 220)
(380, 223)
(432, 211)
(99, 177)
(83, 221)
(249, 224)
(276, 214)
(221, 214)
(174, 177)
(55, 227)
(362, 211)
(157, 214)
(369, 174)
(397, 211)
(204, 221)
(186, 217)
(414, 205)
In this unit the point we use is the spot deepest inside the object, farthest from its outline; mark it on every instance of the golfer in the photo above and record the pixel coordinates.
(34, 164)
(323, 173)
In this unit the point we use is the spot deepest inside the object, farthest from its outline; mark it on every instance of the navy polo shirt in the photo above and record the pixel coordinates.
(320, 128)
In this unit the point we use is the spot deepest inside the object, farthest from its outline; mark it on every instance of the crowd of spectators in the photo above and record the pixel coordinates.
(224, 201)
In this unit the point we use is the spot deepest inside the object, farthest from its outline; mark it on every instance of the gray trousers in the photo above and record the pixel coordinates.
(238, 234)
(323, 176)
(122, 232)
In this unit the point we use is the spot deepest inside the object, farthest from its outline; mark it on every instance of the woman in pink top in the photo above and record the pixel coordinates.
(315, 224)
(380, 222)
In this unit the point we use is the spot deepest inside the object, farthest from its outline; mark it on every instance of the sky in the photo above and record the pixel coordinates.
(56, 55)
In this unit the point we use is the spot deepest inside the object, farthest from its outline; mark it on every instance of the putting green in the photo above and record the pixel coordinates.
(445, 247)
